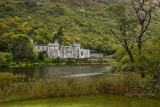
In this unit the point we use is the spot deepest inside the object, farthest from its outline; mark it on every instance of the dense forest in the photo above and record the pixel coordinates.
(47, 20)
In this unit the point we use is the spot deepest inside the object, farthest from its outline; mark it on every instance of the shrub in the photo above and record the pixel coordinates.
(119, 54)
(125, 60)
(127, 67)
(8, 57)
(116, 68)
(70, 60)
(35, 57)
(2, 58)
(47, 60)
(101, 60)
(42, 56)
(53, 59)
(58, 60)
(85, 60)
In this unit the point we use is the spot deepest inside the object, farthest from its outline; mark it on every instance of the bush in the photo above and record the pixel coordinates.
(80, 62)
(119, 54)
(2, 58)
(101, 60)
(8, 61)
(127, 67)
(47, 60)
(53, 59)
(34, 57)
(122, 67)
(85, 60)
(70, 60)
(58, 60)
(125, 60)
(41, 56)
(115, 68)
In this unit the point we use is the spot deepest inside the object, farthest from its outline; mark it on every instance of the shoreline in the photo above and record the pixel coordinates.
(58, 64)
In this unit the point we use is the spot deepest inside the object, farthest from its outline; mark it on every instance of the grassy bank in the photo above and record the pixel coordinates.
(129, 84)
(56, 64)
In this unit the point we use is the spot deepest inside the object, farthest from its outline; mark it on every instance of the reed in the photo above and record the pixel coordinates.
(7, 78)
(129, 84)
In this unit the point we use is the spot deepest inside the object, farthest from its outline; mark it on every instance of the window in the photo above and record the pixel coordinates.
(81, 53)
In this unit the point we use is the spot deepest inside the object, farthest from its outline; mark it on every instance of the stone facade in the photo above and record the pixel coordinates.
(96, 55)
(55, 50)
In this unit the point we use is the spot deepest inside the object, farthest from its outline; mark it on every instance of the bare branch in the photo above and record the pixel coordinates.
(118, 38)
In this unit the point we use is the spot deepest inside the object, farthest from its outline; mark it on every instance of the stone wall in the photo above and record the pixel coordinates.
(96, 55)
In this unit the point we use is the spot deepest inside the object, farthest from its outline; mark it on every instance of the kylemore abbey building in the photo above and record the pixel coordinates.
(75, 51)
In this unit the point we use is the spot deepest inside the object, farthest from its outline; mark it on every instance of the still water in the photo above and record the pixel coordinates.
(88, 101)
(61, 71)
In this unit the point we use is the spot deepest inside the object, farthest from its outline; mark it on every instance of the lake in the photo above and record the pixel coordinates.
(87, 101)
(40, 72)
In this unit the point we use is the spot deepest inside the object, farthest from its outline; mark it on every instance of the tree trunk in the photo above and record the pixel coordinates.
(130, 55)
(139, 42)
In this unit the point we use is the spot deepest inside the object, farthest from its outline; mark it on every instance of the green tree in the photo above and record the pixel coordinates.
(149, 61)
(124, 27)
(53, 59)
(34, 57)
(42, 56)
(8, 61)
(2, 58)
(21, 47)
(59, 35)
(58, 60)
(143, 10)
(5, 42)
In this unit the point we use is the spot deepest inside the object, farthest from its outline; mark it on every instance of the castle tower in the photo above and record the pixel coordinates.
(76, 49)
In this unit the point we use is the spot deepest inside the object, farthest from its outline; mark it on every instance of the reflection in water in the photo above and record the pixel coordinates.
(88, 101)
(63, 71)
(83, 75)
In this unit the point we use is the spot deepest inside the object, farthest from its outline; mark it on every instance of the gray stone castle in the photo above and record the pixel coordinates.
(55, 50)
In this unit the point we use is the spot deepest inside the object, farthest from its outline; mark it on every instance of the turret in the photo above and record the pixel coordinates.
(73, 41)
